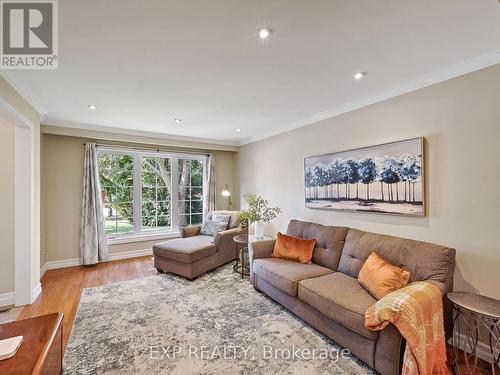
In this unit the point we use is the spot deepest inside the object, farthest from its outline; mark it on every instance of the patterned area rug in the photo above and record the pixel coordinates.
(216, 324)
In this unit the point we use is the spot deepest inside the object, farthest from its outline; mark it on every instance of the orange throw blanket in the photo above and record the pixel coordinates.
(417, 312)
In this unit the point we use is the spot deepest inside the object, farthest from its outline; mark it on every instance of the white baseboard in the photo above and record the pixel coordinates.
(43, 269)
(77, 261)
(483, 349)
(36, 292)
(130, 254)
(7, 299)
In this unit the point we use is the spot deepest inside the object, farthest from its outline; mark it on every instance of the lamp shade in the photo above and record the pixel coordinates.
(226, 192)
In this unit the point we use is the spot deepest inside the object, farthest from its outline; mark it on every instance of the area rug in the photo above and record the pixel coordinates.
(216, 324)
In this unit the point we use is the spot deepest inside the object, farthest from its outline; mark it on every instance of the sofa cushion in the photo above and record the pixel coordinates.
(329, 241)
(340, 298)
(186, 250)
(211, 228)
(284, 274)
(380, 277)
(234, 217)
(425, 261)
(293, 248)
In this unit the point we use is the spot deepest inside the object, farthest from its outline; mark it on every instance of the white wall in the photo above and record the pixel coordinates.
(460, 120)
(19, 112)
(7, 170)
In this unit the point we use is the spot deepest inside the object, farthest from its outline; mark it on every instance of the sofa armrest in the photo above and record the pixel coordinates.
(225, 245)
(190, 231)
(446, 288)
(258, 250)
(225, 237)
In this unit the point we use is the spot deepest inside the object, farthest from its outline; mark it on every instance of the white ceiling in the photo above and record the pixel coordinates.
(145, 63)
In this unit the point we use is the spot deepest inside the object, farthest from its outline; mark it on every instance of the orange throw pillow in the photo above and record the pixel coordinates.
(380, 277)
(293, 248)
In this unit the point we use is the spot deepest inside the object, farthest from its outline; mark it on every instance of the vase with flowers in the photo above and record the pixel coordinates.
(258, 213)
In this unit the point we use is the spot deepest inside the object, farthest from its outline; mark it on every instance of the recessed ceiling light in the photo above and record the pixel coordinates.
(239, 130)
(92, 107)
(177, 120)
(358, 76)
(265, 33)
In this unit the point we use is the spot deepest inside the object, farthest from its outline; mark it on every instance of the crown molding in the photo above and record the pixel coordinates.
(468, 66)
(129, 135)
(22, 90)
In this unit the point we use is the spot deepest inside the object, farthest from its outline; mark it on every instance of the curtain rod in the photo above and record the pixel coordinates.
(156, 149)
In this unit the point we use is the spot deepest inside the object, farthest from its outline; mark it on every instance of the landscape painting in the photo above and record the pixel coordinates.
(384, 178)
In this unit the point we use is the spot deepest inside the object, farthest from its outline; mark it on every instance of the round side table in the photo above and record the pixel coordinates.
(473, 314)
(242, 265)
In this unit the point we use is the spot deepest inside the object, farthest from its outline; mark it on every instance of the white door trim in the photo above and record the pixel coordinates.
(27, 276)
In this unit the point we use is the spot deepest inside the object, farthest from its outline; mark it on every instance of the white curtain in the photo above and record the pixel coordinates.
(210, 186)
(93, 241)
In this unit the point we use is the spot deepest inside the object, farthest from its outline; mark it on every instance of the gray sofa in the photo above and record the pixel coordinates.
(195, 253)
(326, 294)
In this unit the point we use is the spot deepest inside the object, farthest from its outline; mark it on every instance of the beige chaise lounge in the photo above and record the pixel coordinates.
(327, 295)
(195, 253)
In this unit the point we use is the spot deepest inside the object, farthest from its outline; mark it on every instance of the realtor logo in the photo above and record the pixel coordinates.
(29, 34)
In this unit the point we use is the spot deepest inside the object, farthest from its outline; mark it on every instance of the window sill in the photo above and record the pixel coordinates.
(142, 238)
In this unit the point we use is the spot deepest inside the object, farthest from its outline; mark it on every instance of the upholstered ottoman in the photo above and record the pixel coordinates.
(188, 257)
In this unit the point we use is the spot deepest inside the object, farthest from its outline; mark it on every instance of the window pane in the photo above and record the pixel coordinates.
(124, 194)
(163, 209)
(116, 177)
(196, 219)
(196, 207)
(190, 193)
(110, 225)
(183, 179)
(183, 192)
(124, 170)
(156, 198)
(163, 222)
(125, 225)
(163, 194)
(148, 178)
(149, 208)
(184, 207)
(184, 221)
(197, 166)
(148, 223)
(148, 194)
(196, 194)
(196, 180)
(124, 210)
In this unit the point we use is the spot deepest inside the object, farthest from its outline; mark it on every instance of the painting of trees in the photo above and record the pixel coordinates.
(346, 180)
(368, 174)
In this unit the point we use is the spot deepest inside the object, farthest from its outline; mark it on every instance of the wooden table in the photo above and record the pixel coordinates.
(41, 350)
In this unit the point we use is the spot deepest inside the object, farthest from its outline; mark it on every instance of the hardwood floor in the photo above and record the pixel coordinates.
(62, 288)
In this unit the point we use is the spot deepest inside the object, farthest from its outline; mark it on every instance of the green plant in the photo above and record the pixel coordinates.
(258, 210)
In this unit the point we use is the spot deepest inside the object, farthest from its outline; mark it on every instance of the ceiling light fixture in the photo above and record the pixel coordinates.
(177, 120)
(92, 107)
(358, 76)
(239, 130)
(265, 33)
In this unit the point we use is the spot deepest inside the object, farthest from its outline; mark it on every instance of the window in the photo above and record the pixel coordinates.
(117, 192)
(156, 198)
(190, 177)
(150, 193)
